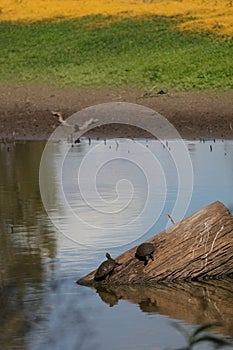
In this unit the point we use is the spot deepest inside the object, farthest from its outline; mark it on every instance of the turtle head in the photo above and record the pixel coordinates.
(108, 256)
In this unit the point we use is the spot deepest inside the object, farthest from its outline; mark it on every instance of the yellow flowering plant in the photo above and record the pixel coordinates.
(196, 15)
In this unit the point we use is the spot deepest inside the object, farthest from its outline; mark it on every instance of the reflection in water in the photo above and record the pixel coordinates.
(148, 306)
(194, 302)
(66, 322)
(42, 307)
(107, 297)
(26, 240)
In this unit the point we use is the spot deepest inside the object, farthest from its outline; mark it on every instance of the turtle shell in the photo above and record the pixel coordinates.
(105, 269)
(145, 249)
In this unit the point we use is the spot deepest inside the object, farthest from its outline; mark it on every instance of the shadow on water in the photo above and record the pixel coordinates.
(26, 240)
(192, 302)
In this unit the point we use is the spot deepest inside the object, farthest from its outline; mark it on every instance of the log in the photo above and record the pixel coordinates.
(198, 247)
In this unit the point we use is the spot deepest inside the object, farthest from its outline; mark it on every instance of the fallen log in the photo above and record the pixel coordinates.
(198, 247)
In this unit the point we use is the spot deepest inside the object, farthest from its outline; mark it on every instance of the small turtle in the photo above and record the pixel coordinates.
(106, 268)
(145, 252)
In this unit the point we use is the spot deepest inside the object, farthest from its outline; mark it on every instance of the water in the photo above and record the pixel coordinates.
(43, 253)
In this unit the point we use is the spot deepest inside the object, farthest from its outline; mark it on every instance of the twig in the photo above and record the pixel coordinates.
(171, 218)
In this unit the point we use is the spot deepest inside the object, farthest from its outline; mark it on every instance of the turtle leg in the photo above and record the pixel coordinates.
(151, 256)
(146, 260)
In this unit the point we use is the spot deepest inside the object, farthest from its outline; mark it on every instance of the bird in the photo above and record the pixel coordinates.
(60, 118)
(77, 127)
(162, 92)
(86, 124)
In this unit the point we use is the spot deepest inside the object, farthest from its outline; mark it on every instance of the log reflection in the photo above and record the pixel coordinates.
(194, 302)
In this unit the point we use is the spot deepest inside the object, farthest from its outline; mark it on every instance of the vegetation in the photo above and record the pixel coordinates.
(98, 51)
(216, 16)
(199, 335)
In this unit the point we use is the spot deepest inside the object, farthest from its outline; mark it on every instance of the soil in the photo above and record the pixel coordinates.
(25, 111)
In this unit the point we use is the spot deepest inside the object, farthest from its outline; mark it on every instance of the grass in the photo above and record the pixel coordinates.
(95, 51)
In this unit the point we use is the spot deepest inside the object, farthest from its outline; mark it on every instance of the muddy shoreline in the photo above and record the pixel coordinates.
(25, 111)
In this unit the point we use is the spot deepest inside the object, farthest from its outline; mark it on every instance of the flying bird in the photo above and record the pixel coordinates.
(77, 127)
(60, 118)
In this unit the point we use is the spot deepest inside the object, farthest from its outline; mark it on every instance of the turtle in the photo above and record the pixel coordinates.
(145, 252)
(106, 268)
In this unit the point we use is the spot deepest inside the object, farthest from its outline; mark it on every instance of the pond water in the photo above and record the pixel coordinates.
(102, 196)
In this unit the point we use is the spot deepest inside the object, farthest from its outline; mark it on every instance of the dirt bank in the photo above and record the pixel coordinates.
(26, 111)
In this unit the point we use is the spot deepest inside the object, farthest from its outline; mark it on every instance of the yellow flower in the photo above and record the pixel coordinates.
(211, 15)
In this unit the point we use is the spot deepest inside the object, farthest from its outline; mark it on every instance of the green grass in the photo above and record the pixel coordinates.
(143, 53)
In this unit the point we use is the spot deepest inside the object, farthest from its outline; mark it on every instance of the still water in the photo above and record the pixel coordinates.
(104, 196)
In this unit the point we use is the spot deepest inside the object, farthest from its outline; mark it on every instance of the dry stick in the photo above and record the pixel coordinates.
(171, 218)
